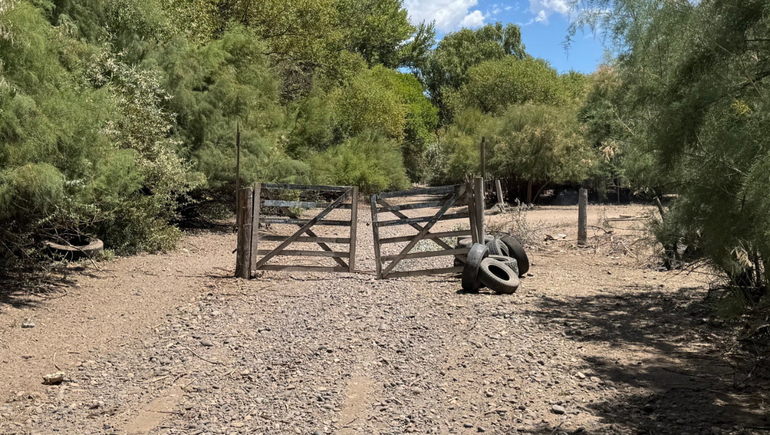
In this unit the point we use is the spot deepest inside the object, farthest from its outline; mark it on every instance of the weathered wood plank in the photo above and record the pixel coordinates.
(337, 240)
(418, 220)
(416, 206)
(279, 221)
(415, 226)
(353, 228)
(296, 204)
(479, 196)
(255, 226)
(428, 254)
(425, 272)
(278, 186)
(301, 204)
(301, 231)
(301, 253)
(376, 236)
(278, 267)
(421, 234)
(423, 191)
(288, 212)
(471, 199)
(431, 236)
(243, 257)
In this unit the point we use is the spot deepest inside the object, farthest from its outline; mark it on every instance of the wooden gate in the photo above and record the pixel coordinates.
(268, 199)
(443, 198)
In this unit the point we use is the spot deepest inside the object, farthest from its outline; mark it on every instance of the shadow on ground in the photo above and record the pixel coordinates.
(684, 379)
(32, 288)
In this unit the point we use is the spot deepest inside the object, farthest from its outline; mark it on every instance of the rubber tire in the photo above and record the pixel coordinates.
(75, 252)
(517, 252)
(498, 277)
(497, 247)
(470, 281)
(508, 261)
(466, 242)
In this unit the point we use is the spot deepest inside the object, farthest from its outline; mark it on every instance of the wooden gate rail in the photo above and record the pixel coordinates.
(379, 204)
(305, 234)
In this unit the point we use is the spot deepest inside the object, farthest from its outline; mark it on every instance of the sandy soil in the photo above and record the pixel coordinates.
(596, 340)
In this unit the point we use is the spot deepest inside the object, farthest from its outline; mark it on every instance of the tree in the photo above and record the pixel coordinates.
(540, 143)
(494, 85)
(696, 77)
(447, 68)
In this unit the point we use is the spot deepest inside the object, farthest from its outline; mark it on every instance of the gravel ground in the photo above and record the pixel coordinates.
(593, 342)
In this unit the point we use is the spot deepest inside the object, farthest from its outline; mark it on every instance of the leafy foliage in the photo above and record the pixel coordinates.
(695, 75)
(448, 65)
(493, 86)
(369, 161)
(541, 143)
(115, 113)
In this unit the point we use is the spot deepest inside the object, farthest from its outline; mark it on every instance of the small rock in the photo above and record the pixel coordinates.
(481, 429)
(558, 409)
(237, 424)
(207, 343)
(467, 425)
(53, 379)
(28, 324)
(580, 375)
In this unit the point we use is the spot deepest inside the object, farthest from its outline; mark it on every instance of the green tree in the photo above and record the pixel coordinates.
(696, 75)
(368, 160)
(494, 85)
(541, 144)
(447, 67)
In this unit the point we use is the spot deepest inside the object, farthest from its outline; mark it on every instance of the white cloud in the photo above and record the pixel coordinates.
(543, 9)
(474, 19)
(449, 15)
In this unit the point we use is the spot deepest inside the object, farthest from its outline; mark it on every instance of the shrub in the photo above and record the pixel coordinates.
(370, 161)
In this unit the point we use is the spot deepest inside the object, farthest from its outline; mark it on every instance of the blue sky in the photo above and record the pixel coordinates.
(543, 26)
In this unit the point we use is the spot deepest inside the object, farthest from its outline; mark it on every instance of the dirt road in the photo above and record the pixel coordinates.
(594, 341)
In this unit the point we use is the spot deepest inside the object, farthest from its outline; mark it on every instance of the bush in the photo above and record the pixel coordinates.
(370, 161)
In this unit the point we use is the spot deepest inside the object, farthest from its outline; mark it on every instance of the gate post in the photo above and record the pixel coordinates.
(479, 193)
(243, 259)
(376, 233)
(255, 205)
(470, 194)
(353, 228)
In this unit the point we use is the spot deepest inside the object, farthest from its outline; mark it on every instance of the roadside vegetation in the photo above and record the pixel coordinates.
(118, 117)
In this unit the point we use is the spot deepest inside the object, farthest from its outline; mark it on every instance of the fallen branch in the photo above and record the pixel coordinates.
(202, 358)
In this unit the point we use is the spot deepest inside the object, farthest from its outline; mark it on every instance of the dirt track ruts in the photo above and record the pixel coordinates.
(171, 344)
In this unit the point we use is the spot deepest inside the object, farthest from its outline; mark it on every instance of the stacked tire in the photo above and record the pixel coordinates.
(498, 264)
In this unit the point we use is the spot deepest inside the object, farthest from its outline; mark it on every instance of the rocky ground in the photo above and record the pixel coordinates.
(597, 340)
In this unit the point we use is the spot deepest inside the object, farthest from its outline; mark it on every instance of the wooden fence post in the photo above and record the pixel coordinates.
(376, 233)
(583, 217)
(255, 206)
(244, 210)
(471, 198)
(479, 194)
(353, 228)
(500, 199)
